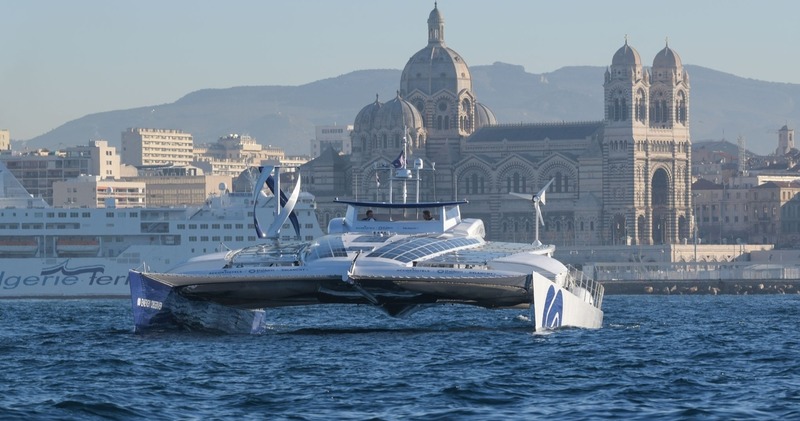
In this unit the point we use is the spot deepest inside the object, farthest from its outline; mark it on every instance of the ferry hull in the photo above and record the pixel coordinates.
(63, 278)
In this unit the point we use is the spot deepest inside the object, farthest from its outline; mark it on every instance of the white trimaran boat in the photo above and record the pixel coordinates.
(398, 262)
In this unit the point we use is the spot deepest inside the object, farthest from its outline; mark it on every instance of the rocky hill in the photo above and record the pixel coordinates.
(722, 106)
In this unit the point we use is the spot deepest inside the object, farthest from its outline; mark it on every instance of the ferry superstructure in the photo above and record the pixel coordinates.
(49, 252)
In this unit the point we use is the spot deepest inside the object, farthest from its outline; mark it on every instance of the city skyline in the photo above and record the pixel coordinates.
(66, 60)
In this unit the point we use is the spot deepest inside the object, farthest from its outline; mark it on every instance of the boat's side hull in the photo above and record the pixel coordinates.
(555, 307)
(491, 289)
(159, 306)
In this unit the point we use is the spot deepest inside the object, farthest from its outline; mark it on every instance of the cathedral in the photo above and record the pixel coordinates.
(624, 179)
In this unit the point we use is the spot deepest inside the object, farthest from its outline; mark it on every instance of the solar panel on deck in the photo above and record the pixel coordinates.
(416, 247)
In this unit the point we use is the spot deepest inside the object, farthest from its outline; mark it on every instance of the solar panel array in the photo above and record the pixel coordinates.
(413, 248)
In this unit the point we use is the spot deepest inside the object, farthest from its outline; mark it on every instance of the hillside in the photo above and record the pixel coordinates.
(722, 106)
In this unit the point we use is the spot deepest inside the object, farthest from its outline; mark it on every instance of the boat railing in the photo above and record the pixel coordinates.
(577, 278)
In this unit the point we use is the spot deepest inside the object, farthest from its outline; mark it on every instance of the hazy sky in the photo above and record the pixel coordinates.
(61, 60)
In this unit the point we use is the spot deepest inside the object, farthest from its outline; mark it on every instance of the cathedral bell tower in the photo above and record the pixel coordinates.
(646, 150)
(667, 163)
(626, 88)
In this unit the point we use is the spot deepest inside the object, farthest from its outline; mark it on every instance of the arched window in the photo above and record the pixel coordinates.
(639, 106)
(557, 187)
(439, 122)
(466, 107)
(660, 188)
(641, 225)
(680, 111)
(624, 110)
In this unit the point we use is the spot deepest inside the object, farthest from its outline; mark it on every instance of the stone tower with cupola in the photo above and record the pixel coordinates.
(647, 149)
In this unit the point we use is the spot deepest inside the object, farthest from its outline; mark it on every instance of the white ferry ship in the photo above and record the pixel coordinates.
(48, 252)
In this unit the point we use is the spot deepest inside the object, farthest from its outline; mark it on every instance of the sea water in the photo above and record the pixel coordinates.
(656, 357)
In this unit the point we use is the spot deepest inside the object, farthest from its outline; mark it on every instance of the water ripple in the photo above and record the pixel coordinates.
(657, 357)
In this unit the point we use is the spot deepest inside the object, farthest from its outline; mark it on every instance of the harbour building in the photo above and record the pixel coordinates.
(5, 140)
(38, 170)
(334, 137)
(142, 147)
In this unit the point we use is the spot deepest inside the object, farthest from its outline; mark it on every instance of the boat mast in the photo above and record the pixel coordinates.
(405, 155)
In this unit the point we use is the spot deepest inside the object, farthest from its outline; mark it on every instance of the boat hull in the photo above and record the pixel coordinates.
(157, 306)
(554, 307)
(230, 300)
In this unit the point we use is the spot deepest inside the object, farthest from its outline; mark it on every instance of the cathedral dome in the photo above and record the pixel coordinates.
(435, 67)
(484, 116)
(626, 56)
(365, 118)
(398, 114)
(667, 58)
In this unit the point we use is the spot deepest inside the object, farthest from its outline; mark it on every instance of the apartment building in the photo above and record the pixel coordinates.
(141, 147)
